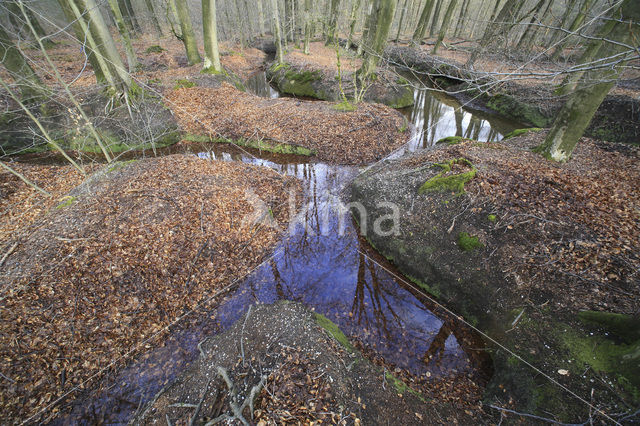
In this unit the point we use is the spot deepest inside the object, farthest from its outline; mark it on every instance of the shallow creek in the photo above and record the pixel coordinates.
(324, 263)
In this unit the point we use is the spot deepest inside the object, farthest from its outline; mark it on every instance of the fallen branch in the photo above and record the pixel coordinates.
(8, 253)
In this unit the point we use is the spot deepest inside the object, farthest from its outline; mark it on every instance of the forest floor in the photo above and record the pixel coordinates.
(94, 277)
(296, 367)
(65, 314)
(362, 136)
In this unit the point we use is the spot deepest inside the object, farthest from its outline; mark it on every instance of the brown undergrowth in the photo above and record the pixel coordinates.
(356, 137)
(100, 275)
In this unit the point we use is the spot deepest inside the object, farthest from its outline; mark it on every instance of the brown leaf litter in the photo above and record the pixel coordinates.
(357, 137)
(96, 278)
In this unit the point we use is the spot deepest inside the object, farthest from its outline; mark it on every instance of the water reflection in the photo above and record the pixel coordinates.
(435, 115)
(322, 264)
(258, 85)
(324, 269)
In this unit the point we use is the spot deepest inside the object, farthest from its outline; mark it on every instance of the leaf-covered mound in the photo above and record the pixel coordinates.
(116, 261)
(357, 137)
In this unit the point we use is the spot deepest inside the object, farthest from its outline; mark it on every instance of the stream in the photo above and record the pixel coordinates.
(334, 273)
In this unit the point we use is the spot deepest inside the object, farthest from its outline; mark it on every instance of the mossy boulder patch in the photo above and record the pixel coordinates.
(520, 132)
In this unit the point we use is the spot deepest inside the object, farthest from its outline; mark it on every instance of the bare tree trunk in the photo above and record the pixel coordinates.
(464, 10)
(577, 22)
(188, 36)
(70, 95)
(400, 22)
(352, 22)
(124, 33)
(423, 22)
(154, 18)
(15, 14)
(333, 23)
(446, 21)
(307, 25)
(575, 116)
(508, 11)
(529, 29)
(99, 37)
(276, 31)
(378, 35)
(565, 20)
(590, 52)
(240, 24)
(436, 15)
(210, 30)
(30, 85)
(260, 17)
(128, 15)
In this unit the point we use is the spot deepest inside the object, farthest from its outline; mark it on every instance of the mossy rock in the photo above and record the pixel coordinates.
(334, 331)
(520, 132)
(453, 182)
(155, 49)
(182, 83)
(450, 140)
(625, 327)
(468, 242)
(509, 106)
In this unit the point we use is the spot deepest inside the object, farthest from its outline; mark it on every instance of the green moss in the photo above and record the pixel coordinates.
(402, 101)
(401, 387)
(467, 242)
(405, 125)
(333, 329)
(275, 67)
(626, 327)
(119, 165)
(345, 106)
(197, 138)
(452, 182)
(511, 107)
(605, 356)
(520, 132)
(303, 77)
(155, 49)
(67, 201)
(263, 145)
(402, 81)
(183, 83)
(492, 218)
(431, 289)
(450, 140)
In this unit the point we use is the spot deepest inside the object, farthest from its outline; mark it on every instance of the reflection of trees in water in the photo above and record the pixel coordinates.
(382, 308)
